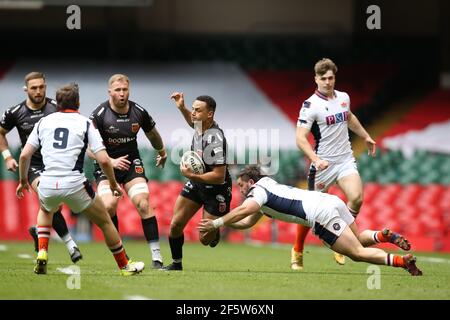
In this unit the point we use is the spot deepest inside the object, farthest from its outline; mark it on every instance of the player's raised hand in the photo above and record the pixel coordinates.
(22, 186)
(121, 163)
(178, 97)
(205, 225)
(11, 164)
(371, 147)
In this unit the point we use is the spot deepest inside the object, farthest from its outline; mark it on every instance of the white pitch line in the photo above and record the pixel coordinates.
(69, 270)
(24, 256)
(3, 247)
(136, 297)
(433, 260)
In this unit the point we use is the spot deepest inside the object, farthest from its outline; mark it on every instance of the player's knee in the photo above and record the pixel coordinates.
(356, 201)
(176, 228)
(356, 255)
(142, 207)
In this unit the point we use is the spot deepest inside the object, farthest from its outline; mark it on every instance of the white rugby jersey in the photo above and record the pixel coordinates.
(327, 120)
(64, 137)
(286, 203)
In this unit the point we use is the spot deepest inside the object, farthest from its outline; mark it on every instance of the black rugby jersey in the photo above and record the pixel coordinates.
(119, 131)
(24, 119)
(212, 147)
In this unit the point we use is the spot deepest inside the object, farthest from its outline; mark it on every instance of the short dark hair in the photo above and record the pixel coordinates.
(34, 75)
(210, 102)
(251, 172)
(323, 65)
(68, 97)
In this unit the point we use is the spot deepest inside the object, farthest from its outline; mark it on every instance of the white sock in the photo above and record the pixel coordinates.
(155, 250)
(70, 244)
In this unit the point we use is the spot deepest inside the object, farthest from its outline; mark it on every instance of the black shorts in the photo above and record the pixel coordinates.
(136, 171)
(34, 172)
(215, 198)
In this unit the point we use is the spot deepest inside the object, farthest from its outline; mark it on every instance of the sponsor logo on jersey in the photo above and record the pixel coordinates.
(306, 104)
(337, 118)
(139, 169)
(137, 162)
(135, 127)
(220, 198)
(112, 129)
(117, 141)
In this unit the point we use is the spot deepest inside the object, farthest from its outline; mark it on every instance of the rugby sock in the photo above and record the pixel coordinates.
(176, 248)
(70, 244)
(119, 254)
(302, 232)
(379, 237)
(59, 224)
(395, 260)
(43, 237)
(115, 220)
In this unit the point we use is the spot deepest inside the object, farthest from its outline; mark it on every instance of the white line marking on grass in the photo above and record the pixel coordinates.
(433, 260)
(24, 256)
(136, 297)
(68, 270)
(3, 247)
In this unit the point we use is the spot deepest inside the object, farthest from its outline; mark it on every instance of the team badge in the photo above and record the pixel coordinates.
(336, 226)
(222, 207)
(320, 186)
(135, 127)
(139, 169)
(344, 104)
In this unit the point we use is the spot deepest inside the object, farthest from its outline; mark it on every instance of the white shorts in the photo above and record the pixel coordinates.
(77, 198)
(332, 216)
(321, 180)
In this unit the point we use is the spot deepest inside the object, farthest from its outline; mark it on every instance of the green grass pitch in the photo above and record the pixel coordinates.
(227, 272)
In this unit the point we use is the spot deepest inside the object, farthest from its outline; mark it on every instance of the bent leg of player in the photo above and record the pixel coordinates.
(350, 183)
(60, 226)
(138, 192)
(110, 202)
(44, 227)
(96, 212)
(183, 211)
(347, 244)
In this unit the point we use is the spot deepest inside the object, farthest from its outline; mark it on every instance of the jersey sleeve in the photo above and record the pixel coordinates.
(215, 152)
(257, 194)
(306, 116)
(33, 138)
(95, 140)
(147, 121)
(7, 121)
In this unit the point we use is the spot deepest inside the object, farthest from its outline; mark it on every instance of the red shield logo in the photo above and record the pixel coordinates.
(135, 127)
(139, 169)
(222, 207)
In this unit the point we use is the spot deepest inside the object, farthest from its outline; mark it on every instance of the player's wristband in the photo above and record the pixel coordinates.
(6, 154)
(217, 223)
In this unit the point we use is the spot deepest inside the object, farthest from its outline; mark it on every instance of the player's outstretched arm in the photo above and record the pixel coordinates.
(155, 139)
(356, 126)
(248, 209)
(301, 138)
(178, 97)
(24, 164)
(10, 162)
(105, 163)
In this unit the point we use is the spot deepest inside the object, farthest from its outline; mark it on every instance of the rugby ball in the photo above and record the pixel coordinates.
(193, 161)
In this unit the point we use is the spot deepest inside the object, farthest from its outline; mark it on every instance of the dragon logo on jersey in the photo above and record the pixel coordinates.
(135, 127)
(139, 169)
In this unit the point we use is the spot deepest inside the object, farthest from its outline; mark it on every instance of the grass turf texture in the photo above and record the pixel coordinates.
(229, 271)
